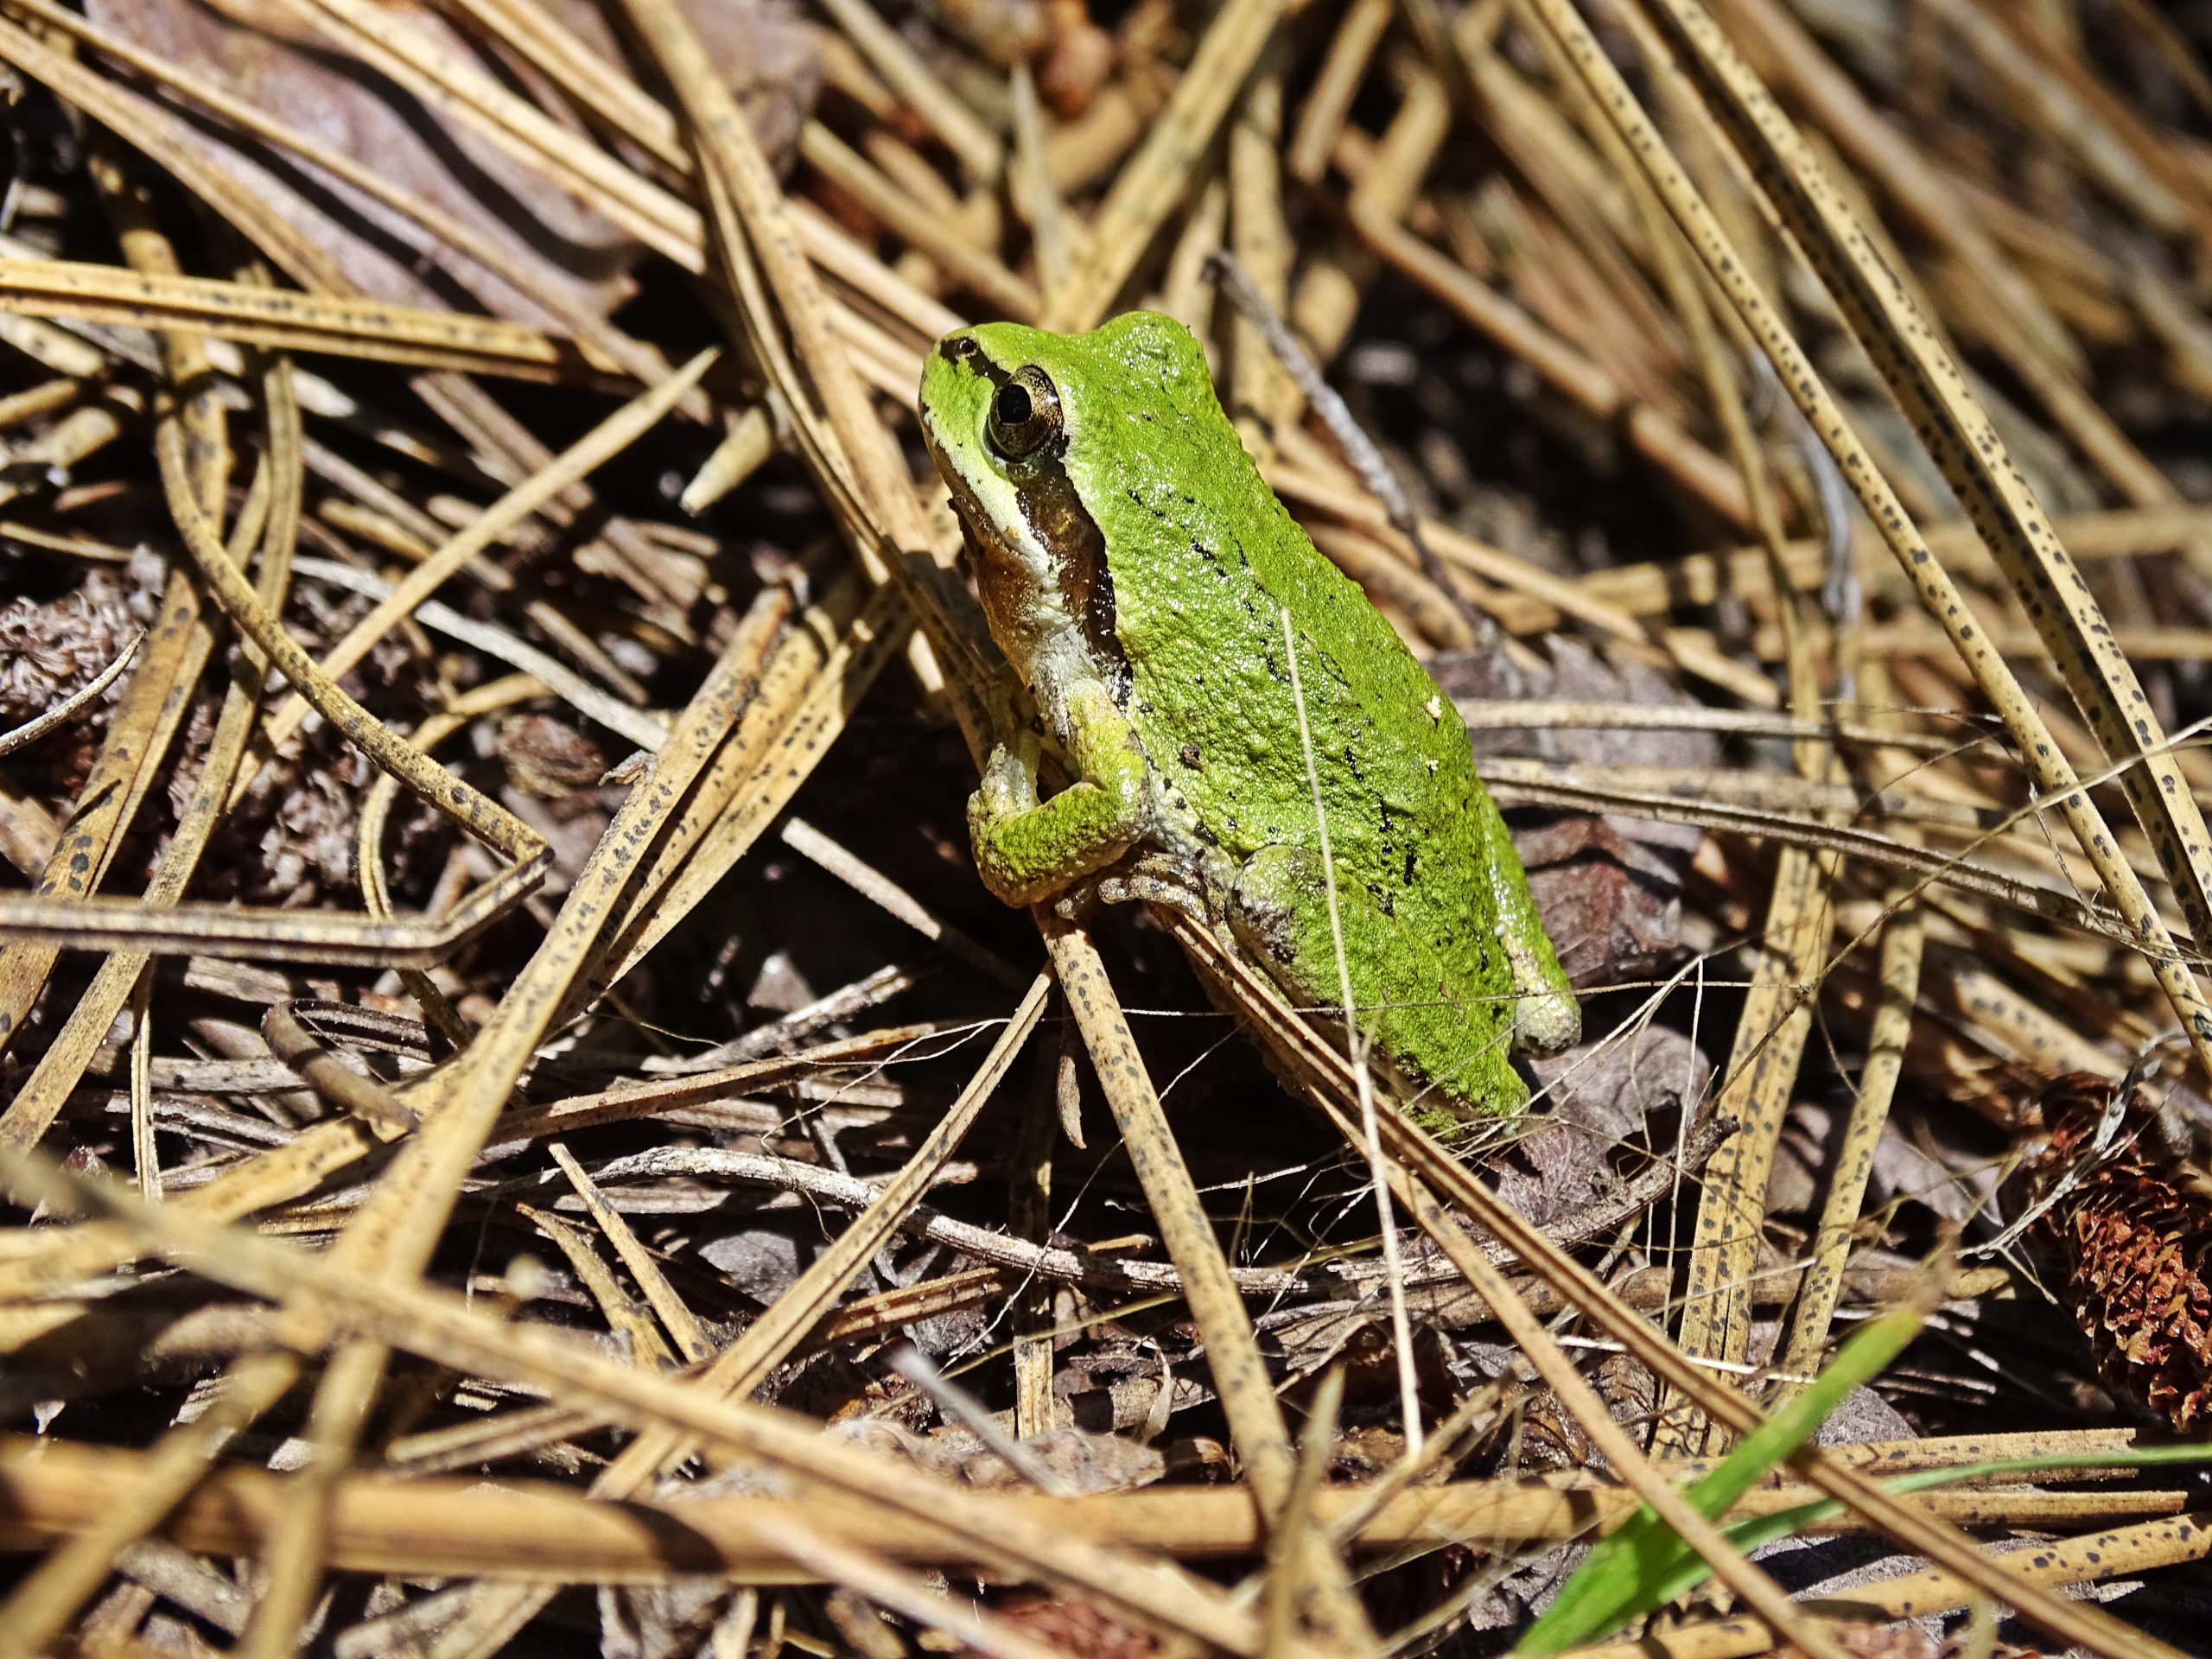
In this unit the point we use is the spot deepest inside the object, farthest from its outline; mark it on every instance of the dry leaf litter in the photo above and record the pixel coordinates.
(658, 1015)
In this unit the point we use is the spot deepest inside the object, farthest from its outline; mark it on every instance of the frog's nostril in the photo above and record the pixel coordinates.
(962, 348)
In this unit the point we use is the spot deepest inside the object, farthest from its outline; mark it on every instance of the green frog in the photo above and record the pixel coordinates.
(1154, 597)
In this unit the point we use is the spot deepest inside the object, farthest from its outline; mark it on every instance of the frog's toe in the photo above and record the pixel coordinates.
(1155, 879)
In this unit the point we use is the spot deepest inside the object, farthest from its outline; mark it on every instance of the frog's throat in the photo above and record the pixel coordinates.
(1028, 616)
(1049, 599)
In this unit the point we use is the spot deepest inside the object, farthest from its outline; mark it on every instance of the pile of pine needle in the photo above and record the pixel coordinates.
(520, 1128)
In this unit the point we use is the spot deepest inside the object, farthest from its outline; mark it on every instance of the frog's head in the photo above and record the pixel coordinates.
(1004, 406)
(1026, 426)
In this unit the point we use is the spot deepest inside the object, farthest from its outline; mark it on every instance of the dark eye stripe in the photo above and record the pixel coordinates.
(1052, 508)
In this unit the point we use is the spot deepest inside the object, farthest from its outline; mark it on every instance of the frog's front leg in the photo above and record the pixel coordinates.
(1428, 1031)
(1028, 850)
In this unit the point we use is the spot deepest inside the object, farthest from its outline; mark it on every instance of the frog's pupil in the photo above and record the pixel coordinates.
(1014, 406)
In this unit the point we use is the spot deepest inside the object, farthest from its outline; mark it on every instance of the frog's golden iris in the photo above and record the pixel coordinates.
(1025, 414)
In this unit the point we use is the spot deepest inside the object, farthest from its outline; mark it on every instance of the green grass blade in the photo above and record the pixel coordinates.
(1625, 1575)
(1688, 1572)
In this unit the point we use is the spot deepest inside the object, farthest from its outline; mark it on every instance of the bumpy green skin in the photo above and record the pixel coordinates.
(1193, 747)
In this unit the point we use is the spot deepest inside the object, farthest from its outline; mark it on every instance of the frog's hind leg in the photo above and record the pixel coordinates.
(1406, 1006)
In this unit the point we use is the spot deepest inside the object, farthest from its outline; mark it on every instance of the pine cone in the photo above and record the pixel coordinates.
(2132, 1234)
(50, 649)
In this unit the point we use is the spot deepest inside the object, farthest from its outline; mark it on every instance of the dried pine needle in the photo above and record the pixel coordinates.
(465, 822)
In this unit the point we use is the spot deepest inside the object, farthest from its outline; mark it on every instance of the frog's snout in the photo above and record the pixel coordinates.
(959, 351)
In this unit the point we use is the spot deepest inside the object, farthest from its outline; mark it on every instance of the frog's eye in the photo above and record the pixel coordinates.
(1025, 414)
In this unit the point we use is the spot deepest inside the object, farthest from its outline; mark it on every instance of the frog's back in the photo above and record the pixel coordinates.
(1213, 560)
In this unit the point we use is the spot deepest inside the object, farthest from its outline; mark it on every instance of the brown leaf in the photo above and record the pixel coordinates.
(1612, 906)
(547, 756)
(1601, 1097)
(262, 53)
(1083, 1462)
(1609, 889)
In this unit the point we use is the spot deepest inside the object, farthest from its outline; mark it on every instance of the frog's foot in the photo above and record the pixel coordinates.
(1155, 879)
(1009, 782)
(1445, 1045)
